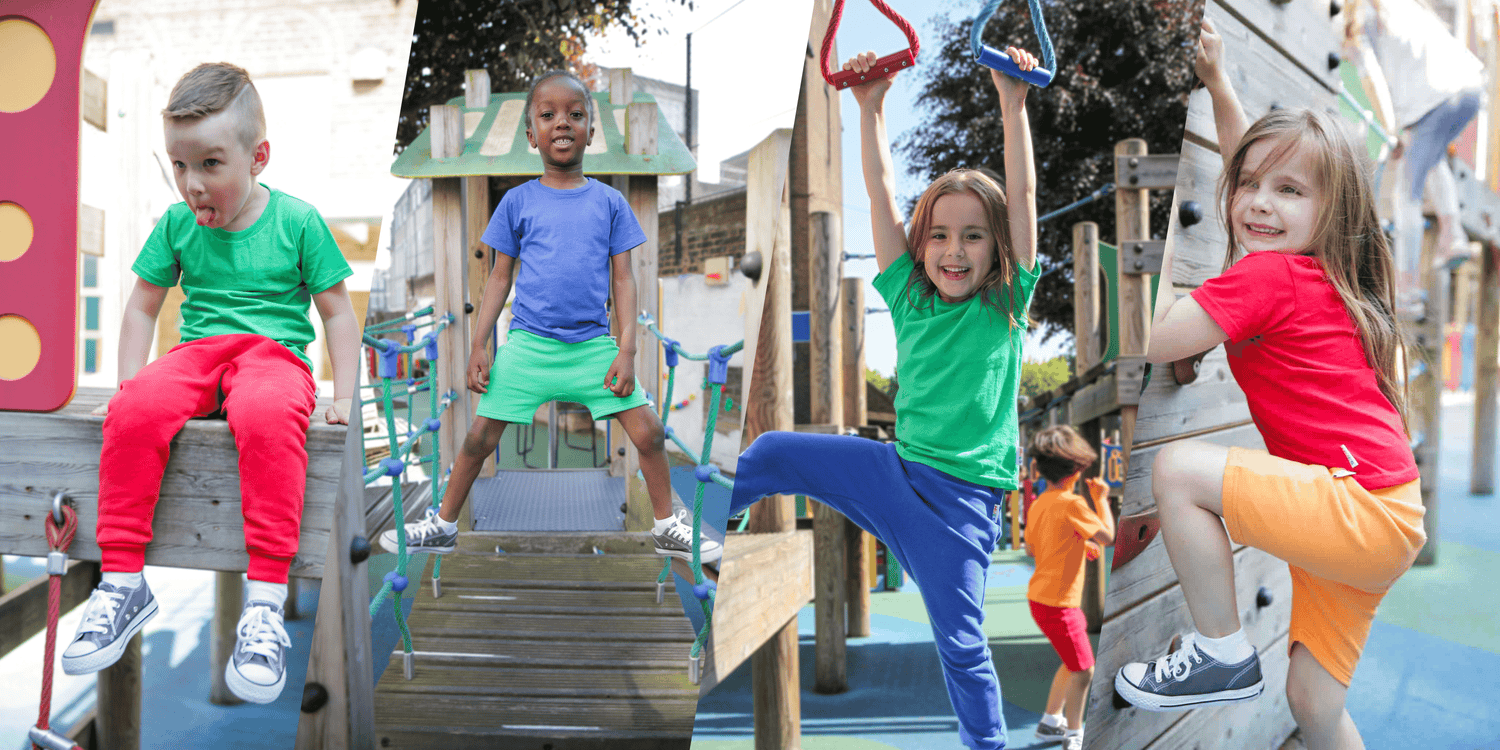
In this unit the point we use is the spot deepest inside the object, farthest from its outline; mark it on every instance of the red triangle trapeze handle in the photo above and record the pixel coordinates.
(891, 63)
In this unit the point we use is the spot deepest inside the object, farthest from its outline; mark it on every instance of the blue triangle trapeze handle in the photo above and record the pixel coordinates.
(990, 57)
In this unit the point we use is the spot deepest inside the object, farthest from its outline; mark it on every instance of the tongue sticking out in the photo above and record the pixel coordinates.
(205, 216)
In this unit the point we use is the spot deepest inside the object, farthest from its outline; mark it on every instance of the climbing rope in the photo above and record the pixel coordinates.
(1367, 116)
(895, 61)
(990, 57)
(395, 465)
(705, 472)
(61, 526)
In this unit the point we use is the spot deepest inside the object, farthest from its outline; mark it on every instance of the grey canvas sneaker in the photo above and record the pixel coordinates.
(1048, 733)
(256, 672)
(1073, 741)
(422, 536)
(1187, 678)
(113, 615)
(677, 541)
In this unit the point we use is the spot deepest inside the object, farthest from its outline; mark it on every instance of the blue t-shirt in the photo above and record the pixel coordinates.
(564, 240)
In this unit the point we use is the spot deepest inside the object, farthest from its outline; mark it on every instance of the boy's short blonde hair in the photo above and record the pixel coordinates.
(211, 88)
(1060, 452)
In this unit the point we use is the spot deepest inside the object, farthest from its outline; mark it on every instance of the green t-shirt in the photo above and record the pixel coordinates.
(259, 280)
(959, 369)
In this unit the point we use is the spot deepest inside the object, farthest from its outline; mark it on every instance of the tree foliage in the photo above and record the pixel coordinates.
(515, 40)
(1040, 377)
(1125, 71)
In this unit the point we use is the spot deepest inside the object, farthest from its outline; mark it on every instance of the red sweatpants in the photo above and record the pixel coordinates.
(269, 396)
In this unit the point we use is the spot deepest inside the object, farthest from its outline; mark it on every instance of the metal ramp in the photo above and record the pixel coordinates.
(548, 500)
(547, 645)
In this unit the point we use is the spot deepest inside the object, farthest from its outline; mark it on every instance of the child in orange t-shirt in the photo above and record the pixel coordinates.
(1063, 529)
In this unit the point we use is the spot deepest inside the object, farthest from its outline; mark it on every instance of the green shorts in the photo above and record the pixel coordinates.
(531, 370)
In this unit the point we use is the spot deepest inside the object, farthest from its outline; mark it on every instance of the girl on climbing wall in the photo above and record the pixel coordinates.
(1304, 307)
(958, 280)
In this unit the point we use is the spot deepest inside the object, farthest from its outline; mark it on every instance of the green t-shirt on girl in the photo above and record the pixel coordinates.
(259, 280)
(959, 369)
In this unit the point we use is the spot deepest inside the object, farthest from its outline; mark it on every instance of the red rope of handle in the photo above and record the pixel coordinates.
(833, 27)
(59, 539)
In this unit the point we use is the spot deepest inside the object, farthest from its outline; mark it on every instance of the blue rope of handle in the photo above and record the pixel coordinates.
(1040, 76)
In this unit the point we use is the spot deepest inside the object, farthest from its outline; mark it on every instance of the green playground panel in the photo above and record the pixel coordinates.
(1109, 258)
(495, 144)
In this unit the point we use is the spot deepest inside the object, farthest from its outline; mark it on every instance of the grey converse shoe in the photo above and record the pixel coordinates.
(1048, 733)
(1187, 678)
(113, 616)
(422, 536)
(677, 541)
(257, 670)
(1073, 741)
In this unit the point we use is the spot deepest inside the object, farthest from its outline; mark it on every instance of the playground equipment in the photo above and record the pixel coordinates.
(893, 62)
(988, 56)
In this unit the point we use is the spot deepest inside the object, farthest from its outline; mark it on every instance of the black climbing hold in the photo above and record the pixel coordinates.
(624, 507)
(1189, 213)
(479, 254)
(359, 550)
(1334, 8)
(314, 697)
(750, 265)
(1334, 60)
(1262, 597)
(620, 450)
(1275, 106)
(468, 307)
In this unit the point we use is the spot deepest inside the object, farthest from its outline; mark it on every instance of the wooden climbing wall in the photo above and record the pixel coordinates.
(1278, 54)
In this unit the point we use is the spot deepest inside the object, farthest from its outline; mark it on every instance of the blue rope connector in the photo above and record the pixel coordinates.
(392, 466)
(433, 424)
(410, 329)
(431, 352)
(668, 431)
(704, 590)
(671, 353)
(397, 581)
(705, 473)
(718, 365)
(390, 354)
(410, 382)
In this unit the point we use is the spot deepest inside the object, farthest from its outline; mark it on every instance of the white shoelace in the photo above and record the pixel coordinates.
(100, 615)
(421, 530)
(1179, 662)
(261, 631)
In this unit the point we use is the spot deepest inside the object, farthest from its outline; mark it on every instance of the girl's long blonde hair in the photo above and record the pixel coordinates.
(997, 288)
(1347, 241)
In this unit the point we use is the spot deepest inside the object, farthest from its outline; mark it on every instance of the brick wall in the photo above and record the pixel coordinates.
(711, 227)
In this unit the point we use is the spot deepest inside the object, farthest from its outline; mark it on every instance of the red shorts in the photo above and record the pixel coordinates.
(1068, 632)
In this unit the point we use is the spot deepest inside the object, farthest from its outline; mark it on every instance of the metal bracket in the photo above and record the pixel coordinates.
(1149, 171)
(406, 664)
(661, 592)
(50, 740)
(437, 588)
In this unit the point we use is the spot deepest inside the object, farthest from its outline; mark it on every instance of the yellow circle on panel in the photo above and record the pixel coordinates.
(15, 231)
(27, 64)
(20, 347)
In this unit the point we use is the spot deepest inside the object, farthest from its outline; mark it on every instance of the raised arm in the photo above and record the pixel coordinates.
(137, 328)
(341, 330)
(888, 230)
(1020, 165)
(1229, 119)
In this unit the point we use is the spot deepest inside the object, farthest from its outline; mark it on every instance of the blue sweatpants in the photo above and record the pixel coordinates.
(939, 527)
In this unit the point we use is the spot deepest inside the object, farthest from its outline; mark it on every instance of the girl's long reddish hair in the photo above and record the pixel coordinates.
(1347, 240)
(997, 288)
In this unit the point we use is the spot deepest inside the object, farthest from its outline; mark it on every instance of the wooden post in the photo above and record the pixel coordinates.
(340, 664)
(476, 88)
(825, 338)
(229, 597)
(641, 194)
(1486, 353)
(1132, 222)
(119, 714)
(621, 86)
(1089, 327)
(830, 580)
(450, 271)
(476, 209)
(1094, 570)
(1426, 409)
(856, 540)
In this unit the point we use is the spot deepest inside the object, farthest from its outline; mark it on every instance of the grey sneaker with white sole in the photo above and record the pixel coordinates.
(113, 615)
(256, 672)
(1186, 677)
(677, 541)
(423, 536)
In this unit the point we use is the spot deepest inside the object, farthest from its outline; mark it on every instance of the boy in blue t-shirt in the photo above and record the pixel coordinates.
(250, 260)
(575, 235)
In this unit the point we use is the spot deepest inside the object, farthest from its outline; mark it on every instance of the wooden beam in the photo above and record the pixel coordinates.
(641, 193)
(641, 127)
(825, 337)
(764, 580)
(830, 581)
(476, 88)
(1089, 324)
(95, 107)
(1486, 354)
(1425, 411)
(119, 713)
(90, 230)
(476, 200)
(852, 343)
(229, 593)
(621, 86)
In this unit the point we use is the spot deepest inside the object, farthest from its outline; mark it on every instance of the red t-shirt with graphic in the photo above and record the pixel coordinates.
(1297, 355)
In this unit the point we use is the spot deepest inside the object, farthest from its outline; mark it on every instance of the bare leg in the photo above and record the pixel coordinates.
(1317, 702)
(645, 431)
(1188, 482)
(1077, 691)
(479, 443)
(1059, 691)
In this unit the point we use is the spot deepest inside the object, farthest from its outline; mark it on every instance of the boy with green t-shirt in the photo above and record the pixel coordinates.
(249, 259)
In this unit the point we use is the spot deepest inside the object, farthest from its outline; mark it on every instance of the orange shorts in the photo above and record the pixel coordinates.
(1345, 545)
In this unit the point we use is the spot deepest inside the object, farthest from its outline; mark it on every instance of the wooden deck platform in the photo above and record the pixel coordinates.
(545, 645)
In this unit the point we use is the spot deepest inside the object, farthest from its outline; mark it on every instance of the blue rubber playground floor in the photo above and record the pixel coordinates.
(1430, 673)
(896, 696)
